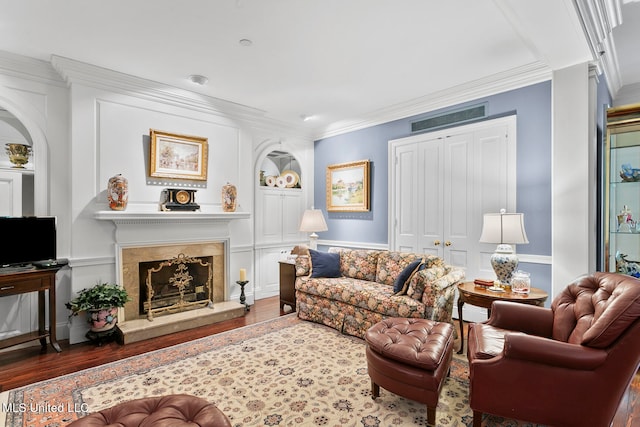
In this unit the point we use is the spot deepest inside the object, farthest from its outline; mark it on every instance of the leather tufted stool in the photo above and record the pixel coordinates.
(410, 357)
(175, 410)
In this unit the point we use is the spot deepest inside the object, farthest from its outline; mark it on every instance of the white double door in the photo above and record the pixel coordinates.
(440, 185)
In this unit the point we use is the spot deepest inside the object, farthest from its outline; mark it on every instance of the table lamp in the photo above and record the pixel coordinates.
(505, 229)
(313, 221)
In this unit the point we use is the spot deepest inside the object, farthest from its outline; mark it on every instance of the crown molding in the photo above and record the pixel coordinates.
(29, 68)
(501, 82)
(598, 19)
(76, 72)
(608, 65)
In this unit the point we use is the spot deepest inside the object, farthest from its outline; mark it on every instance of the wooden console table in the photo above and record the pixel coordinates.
(469, 293)
(37, 280)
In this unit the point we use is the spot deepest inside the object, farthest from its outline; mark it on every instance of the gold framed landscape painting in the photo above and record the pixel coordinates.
(348, 187)
(178, 156)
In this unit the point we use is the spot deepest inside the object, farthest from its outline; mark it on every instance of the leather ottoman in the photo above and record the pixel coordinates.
(411, 358)
(176, 410)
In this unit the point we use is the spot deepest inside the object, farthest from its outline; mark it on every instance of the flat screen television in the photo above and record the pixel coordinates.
(27, 239)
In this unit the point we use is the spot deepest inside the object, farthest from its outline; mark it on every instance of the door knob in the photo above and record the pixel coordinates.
(436, 242)
(447, 243)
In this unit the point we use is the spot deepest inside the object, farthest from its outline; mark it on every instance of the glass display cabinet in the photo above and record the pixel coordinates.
(622, 190)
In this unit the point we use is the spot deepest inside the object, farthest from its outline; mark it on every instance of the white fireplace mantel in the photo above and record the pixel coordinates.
(141, 226)
(141, 217)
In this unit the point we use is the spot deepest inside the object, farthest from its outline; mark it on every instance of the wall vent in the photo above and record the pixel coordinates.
(450, 118)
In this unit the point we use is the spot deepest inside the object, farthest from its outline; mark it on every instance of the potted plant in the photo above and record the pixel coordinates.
(101, 303)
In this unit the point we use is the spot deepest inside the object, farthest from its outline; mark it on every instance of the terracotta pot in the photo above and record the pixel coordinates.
(103, 319)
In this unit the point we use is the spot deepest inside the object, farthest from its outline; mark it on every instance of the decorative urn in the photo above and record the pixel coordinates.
(229, 195)
(18, 154)
(118, 192)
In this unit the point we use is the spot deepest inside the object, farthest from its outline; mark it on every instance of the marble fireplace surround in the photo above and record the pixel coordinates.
(130, 273)
(141, 234)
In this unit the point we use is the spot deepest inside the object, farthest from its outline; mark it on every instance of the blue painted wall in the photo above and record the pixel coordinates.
(532, 105)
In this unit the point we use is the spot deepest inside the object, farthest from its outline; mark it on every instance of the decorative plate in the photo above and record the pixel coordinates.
(291, 178)
(281, 182)
(270, 180)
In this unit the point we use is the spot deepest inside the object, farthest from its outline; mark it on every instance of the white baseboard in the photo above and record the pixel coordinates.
(471, 313)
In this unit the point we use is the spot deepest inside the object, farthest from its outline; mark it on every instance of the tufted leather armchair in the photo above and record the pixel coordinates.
(175, 410)
(568, 365)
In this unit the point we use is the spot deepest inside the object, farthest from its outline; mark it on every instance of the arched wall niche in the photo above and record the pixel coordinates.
(275, 156)
(26, 123)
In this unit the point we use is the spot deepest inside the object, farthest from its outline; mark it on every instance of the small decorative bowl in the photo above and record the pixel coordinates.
(629, 174)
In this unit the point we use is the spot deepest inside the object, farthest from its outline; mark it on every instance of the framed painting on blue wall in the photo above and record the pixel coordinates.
(348, 187)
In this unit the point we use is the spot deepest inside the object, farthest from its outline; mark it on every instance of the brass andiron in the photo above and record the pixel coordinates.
(18, 154)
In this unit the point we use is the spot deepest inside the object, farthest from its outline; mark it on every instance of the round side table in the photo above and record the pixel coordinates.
(470, 293)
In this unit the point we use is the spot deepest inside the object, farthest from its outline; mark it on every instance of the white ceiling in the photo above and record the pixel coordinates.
(626, 38)
(338, 60)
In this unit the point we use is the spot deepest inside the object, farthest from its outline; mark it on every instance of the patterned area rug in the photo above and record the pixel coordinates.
(283, 372)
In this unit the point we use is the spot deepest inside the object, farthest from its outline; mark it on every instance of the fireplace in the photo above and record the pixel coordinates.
(178, 284)
(144, 237)
(161, 266)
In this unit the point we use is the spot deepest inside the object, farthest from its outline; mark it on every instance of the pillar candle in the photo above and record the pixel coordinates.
(243, 275)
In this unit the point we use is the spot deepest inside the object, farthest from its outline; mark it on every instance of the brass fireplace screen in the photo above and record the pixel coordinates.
(175, 288)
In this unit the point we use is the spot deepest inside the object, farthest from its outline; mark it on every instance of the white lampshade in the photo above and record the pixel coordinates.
(313, 221)
(504, 229)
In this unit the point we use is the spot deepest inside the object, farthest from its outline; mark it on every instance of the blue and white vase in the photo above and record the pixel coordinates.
(504, 263)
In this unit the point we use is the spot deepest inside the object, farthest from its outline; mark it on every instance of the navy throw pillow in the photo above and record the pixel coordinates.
(324, 264)
(405, 275)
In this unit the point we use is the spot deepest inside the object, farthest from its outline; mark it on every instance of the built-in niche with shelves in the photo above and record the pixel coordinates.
(280, 169)
(279, 202)
(279, 205)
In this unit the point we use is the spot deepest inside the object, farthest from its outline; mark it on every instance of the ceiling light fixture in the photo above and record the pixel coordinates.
(245, 42)
(198, 79)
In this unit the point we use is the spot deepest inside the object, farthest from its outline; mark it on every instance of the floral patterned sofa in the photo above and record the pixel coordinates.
(364, 294)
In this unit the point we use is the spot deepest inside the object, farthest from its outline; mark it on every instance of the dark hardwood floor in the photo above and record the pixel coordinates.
(25, 366)
(28, 365)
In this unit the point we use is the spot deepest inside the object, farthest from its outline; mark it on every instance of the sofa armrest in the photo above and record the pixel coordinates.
(303, 265)
(433, 288)
(439, 294)
(550, 352)
(453, 277)
(526, 318)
